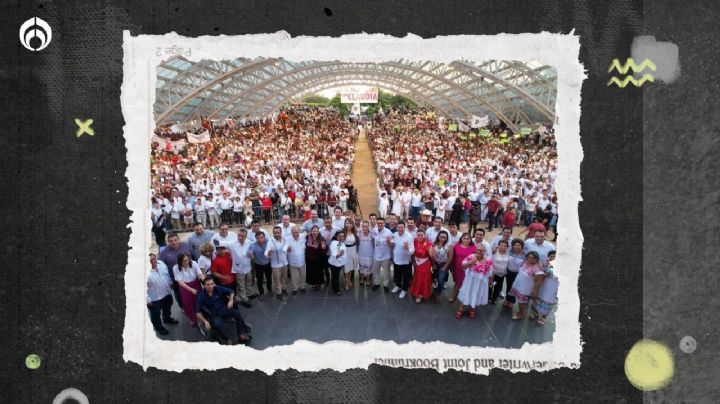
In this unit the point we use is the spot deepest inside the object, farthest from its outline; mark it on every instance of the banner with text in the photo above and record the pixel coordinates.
(369, 96)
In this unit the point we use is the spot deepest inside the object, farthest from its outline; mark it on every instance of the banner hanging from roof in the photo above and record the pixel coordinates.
(369, 96)
(202, 137)
(479, 121)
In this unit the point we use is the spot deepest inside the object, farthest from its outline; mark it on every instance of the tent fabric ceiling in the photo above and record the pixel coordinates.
(514, 92)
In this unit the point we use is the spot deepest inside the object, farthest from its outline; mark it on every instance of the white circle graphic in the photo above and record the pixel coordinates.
(35, 28)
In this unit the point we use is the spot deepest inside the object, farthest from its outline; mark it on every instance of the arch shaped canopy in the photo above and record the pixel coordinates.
(514, 92)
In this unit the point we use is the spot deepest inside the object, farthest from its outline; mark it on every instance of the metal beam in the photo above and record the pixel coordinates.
(188, 97)
(539, 105)
(321, 84)
(351, 73)
(352, 70)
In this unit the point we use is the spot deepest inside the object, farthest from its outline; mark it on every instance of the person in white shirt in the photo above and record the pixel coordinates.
(296, 259)
(159, 295)
(372, 220)
(505, 235)
(242, 265)
(254, 228)
(382, 252)
(224, 235)
(410, 227)
(238, 207)
(383, 203)
(187, 213)
(432, 232)
(416, 203)
(200, 210)
(226, 205)
(338, 220)
(176, 213)
(286, 227)
(337, 260)
(540, 246)
(403, 249)
(187, 275)
(405, 200)
(212, 211)
(453, 234)
(480, 240)
(277, 251)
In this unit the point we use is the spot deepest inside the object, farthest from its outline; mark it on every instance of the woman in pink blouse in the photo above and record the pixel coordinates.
(458, 253)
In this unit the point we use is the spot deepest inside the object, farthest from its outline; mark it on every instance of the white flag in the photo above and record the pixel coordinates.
(479, 121)
(202, 137)
(463, 127)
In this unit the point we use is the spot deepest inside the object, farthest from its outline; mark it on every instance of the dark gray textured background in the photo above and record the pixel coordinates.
(65, 216)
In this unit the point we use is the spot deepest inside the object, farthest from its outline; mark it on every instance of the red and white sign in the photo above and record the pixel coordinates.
(369, 96)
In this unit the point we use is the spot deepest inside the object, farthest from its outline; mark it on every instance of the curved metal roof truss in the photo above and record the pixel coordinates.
(511, 91)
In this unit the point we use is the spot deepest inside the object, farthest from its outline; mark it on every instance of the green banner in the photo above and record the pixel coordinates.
(525, 130)
(452, 127)
(503, 135)
(504, 141)
(484, 132)
(517, 136)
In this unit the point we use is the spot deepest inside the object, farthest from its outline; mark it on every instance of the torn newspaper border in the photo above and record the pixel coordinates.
(141, 57)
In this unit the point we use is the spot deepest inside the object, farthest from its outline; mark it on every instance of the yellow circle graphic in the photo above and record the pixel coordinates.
(32, 361)
(649, 365)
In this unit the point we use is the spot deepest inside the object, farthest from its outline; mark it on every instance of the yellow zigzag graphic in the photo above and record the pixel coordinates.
(630, 63)
(630, 79)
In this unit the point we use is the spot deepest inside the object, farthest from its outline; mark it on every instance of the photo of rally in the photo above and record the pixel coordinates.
(326, 200)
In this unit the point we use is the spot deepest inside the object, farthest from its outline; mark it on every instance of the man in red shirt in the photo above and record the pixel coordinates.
(221, 266)
(493, 206)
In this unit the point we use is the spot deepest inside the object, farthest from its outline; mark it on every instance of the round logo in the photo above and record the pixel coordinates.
(35, 34)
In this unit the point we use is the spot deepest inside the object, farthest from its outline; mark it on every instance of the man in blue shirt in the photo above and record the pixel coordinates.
(211, 301)
(262, 264)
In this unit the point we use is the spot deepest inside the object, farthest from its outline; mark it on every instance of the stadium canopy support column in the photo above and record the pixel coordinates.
(364, 176)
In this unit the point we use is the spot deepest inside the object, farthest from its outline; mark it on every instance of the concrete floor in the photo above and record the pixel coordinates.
(361, 314)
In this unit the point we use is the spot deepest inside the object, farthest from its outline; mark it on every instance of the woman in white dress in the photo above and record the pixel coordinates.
(351, 243)
(397, 202)
(442, 206)
(526, 285)
(365, 253)
(383, 204)
(474, 290)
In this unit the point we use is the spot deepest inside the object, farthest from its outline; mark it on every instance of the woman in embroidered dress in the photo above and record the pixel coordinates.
(527, 283)
(474, 290)
(421, 287)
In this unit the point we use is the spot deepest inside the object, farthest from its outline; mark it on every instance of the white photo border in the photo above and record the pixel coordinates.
(141, 345)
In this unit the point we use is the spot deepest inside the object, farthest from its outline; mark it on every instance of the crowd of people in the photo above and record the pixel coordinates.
(298, 163)
(464, 181)
(430, 184)
(416, 257)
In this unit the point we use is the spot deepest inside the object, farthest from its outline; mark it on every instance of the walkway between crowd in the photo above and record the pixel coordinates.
(364, 176)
